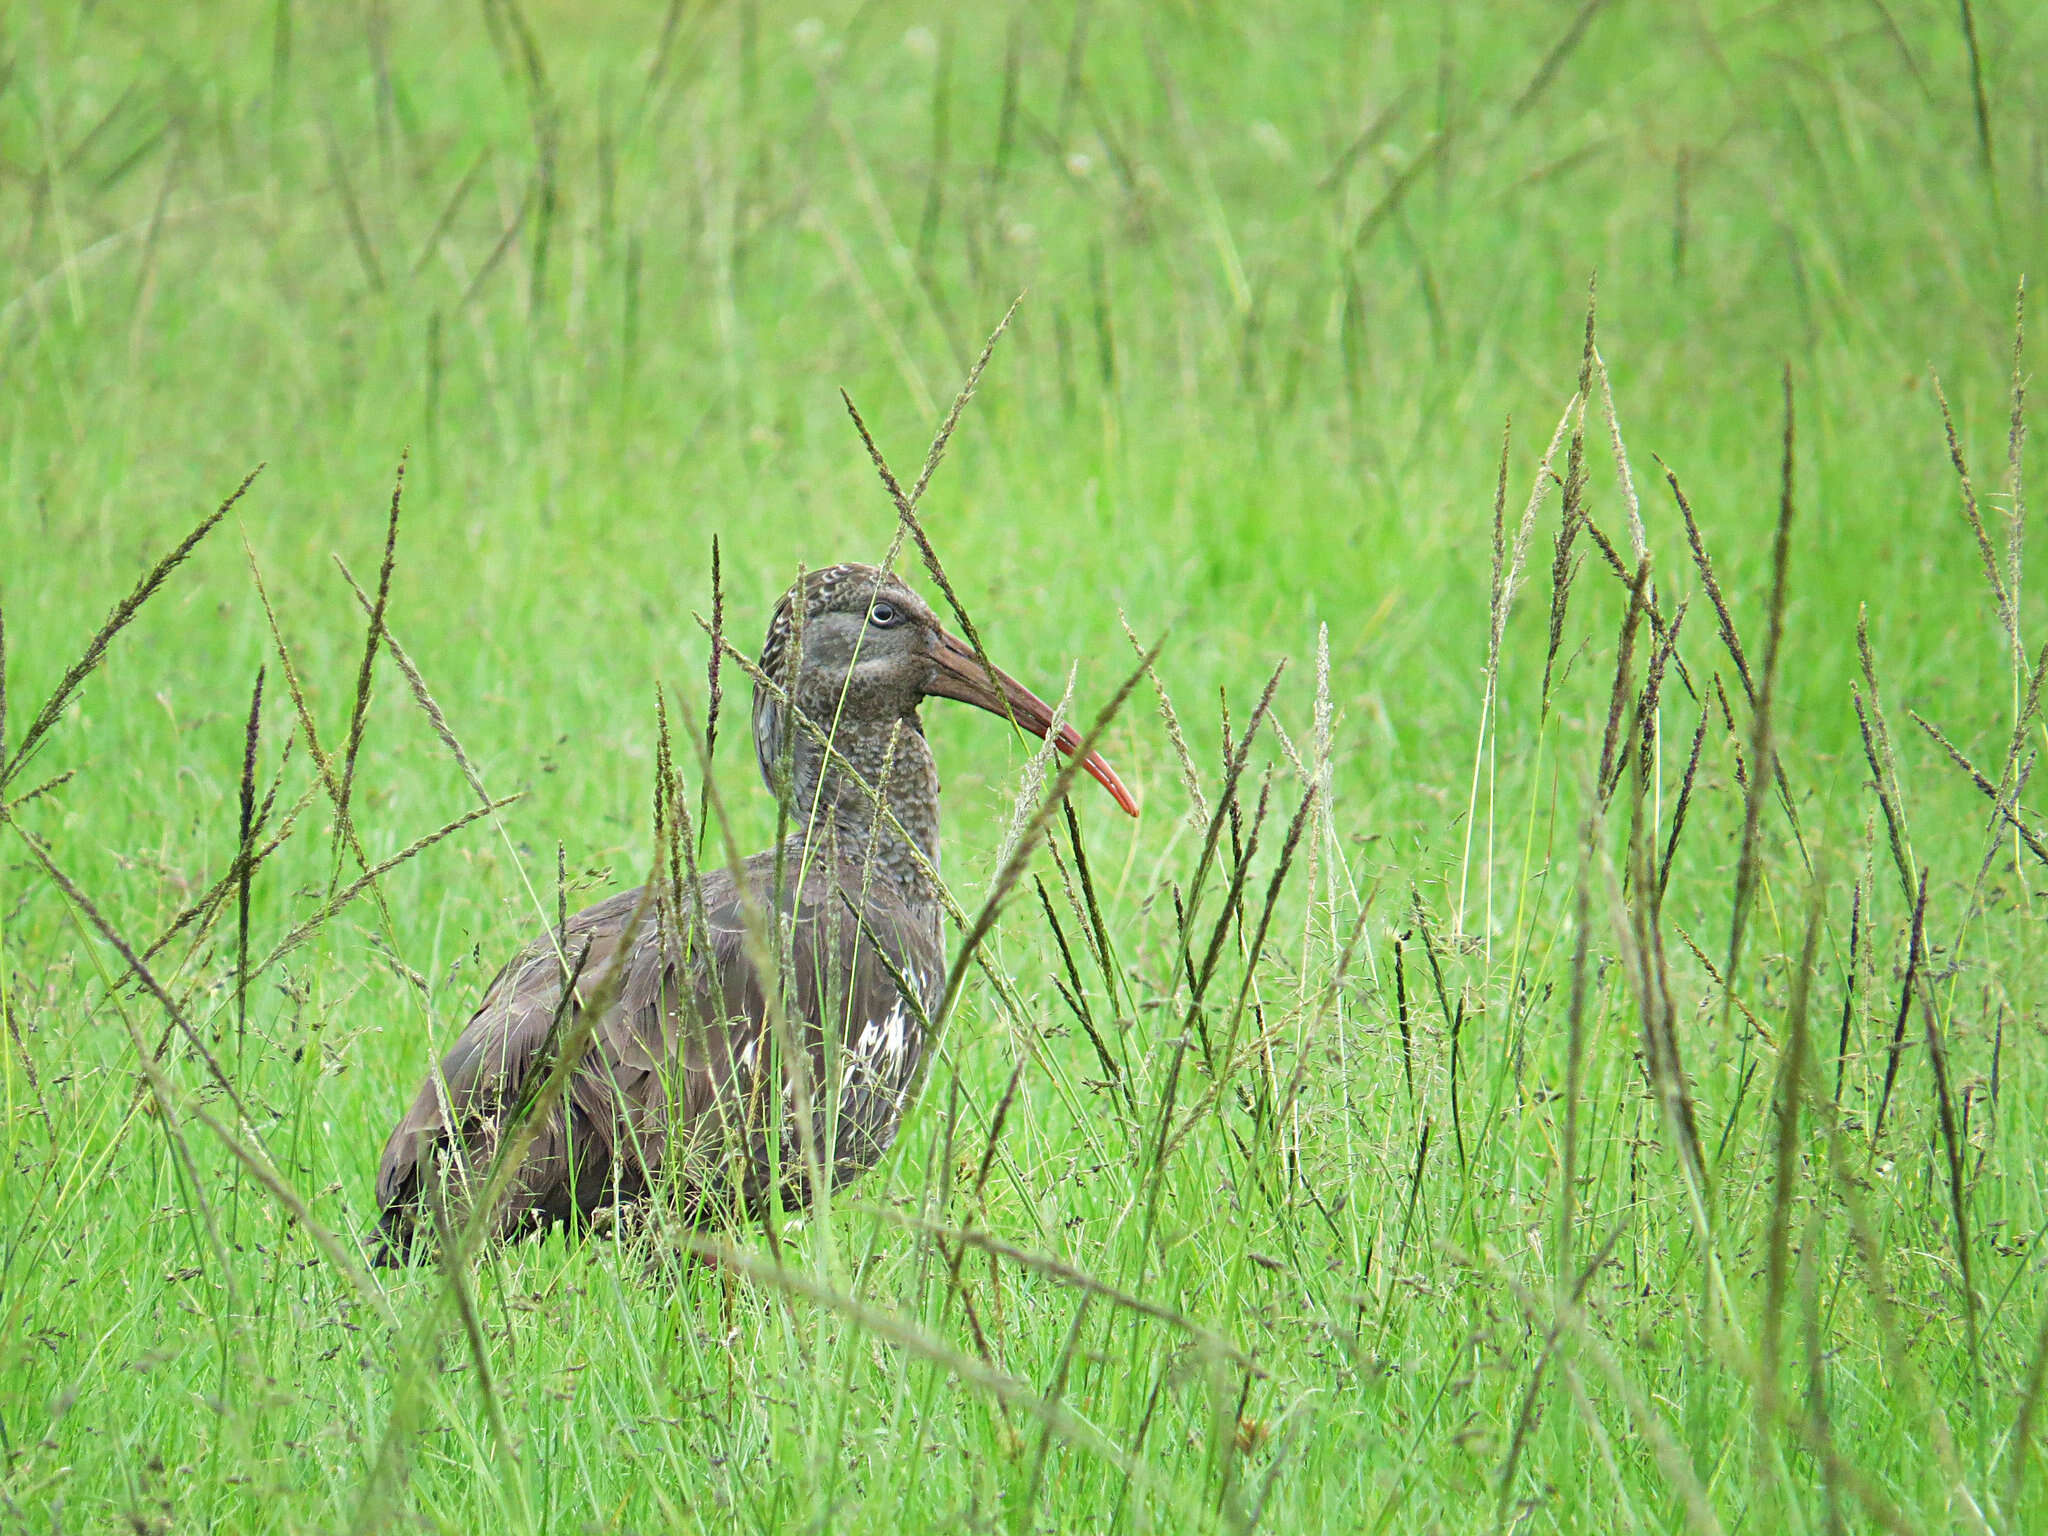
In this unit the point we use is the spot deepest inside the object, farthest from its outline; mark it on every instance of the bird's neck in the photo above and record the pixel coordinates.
(835, 803)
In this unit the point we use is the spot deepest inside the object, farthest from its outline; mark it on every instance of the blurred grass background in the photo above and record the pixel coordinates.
(603, 269)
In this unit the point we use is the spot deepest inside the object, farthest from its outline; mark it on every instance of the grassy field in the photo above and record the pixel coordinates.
(1571, 1057)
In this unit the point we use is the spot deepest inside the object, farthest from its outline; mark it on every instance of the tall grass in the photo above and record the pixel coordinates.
(1539, 1063)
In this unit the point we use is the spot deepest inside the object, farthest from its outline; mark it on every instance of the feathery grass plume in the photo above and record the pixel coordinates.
(1105, 956)
(1076, 998)
(944, 435)
(1706, 963)
(1916, 948)
(669, 896)
(430, 707)
(421, 695)
(1958, 1204)
(1852, 976)
(1273, 886)
(1238, 755)
(1496, 596)
(714, 693)
(906, 503)
(1640, 934)
(1401, 1018)
(54, 782)
(207, 907)
(245, 844)
(2016, 437)
(1232, 909)
(1877, 749)
(1625, 574)
(2002, 600)
(2018, 760)
(1032, 780)
(1792, 1066)
(1525, 531)
(1573, 515)
(1314, 1019)
(672, 819)
(1198, 807)
(367, 880)
(1231, 804)
(2009, 813)
(1763, 748)
(2015, 447)
(2007, 810)
(1639, 544)
(1323, 850)
(122, 615)
(28, 1067)
(344, 823)
(1614, 756)
(137, 967)
(1574, 1057)
(359, 712)
(1729, 637)
(561, 894)
(1662, 654)
(1436, 974)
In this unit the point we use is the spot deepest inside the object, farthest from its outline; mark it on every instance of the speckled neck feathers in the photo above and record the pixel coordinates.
(868, 713)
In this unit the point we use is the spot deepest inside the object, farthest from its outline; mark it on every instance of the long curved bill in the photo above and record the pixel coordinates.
(960, 675)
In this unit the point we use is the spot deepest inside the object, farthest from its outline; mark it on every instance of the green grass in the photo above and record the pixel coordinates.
(603, 271)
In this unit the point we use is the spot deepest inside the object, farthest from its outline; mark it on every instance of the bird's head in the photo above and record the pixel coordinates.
(852, 643)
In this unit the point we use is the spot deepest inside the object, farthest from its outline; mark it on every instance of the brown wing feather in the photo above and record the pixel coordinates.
(681, 1081)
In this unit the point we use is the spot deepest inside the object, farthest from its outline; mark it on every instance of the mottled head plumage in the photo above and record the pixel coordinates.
(851, 587)
(865, 639)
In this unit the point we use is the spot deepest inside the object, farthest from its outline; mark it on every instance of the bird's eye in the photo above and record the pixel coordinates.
(882, 615)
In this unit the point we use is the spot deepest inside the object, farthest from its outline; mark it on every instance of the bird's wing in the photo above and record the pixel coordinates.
(461, 1109)
(685, 1072)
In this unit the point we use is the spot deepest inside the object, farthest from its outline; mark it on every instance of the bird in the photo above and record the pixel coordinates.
(825, 949)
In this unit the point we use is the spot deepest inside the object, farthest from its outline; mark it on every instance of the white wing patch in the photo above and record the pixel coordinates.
(883, 1040)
